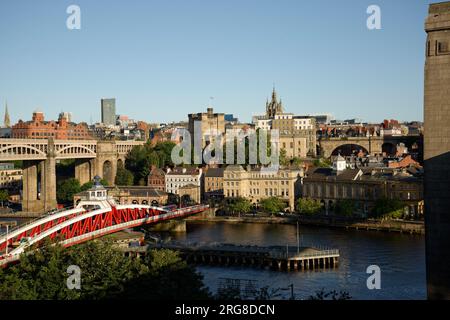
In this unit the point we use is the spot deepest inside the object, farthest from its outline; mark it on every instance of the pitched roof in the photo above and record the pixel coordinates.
(330, 174)
(214, 172)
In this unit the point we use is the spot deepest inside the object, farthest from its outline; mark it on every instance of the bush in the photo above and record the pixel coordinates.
(308, 206)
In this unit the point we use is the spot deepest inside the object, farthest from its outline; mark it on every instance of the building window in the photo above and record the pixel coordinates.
(443, 48)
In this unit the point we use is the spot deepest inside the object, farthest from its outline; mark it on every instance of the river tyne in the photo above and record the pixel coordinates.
(401, 258)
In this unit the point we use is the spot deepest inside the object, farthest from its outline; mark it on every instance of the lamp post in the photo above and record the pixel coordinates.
(7, 231)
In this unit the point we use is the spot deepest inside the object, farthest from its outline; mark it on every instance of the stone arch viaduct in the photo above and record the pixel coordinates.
(373, 145)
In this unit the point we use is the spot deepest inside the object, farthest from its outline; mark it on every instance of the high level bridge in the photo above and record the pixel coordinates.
(92, 158)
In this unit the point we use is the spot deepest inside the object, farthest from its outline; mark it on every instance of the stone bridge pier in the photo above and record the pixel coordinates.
(84, 170)
(104, 165)
(39, 191)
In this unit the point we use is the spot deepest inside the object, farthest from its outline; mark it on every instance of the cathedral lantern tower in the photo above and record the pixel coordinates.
(273, 107)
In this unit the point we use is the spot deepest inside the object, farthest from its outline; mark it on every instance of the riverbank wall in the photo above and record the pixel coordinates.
(400, 226)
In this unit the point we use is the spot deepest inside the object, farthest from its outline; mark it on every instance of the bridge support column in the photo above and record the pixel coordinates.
(106, 161)
(48, 184)
(30, 202)
(83, 171)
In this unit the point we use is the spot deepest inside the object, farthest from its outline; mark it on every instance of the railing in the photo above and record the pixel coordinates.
(322, 253)
(30, 222)
(162, 216)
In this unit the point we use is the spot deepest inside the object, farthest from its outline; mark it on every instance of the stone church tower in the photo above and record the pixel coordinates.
(437, 150)
(274, 106)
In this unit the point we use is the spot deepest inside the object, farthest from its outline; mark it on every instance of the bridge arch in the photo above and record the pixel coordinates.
(348, 149)
(22, 149)
(120, 163)
(75, 149)
(107, 169)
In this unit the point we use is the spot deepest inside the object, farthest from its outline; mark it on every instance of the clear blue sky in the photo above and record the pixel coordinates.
(164, 59)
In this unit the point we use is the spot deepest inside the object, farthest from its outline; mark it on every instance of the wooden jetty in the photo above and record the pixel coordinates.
(273, 257)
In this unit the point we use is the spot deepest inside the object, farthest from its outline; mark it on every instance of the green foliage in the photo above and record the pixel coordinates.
(344, 207)
(388, 208)
(308, 206)
(141, 158)
(124, 177)
(168, 277)
(105, 274)
(4, 196)
(65, 168)
(66, 189)
(272, 205)
(322, 163)
(18, 164)
(238, 205)
(296, 161)
(331, 295)
(90, 184)
(284, 161)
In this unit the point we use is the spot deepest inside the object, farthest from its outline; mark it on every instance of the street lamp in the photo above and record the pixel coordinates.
(7, 231)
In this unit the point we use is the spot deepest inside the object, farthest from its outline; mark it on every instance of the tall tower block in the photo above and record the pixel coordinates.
(437, 150)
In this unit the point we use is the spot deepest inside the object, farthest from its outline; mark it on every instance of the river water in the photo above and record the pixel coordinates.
(401, 258)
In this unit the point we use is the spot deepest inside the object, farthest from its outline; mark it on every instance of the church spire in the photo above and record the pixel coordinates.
(6, 120)
(274, 94)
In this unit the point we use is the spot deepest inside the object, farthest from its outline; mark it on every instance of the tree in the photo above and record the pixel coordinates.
(90, 184)
(388, 208)
(308, 206)
(67, 189)
(322, 163)
(238, 205)
(296, 161)
(124, 177)
(330, 295)
(4, 196)
(284, 161)
(141, 158)
(344, 207)
(272, 205)
(105, 274)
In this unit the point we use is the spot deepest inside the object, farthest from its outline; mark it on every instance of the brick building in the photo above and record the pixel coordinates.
(156, 179)
(38, 128)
